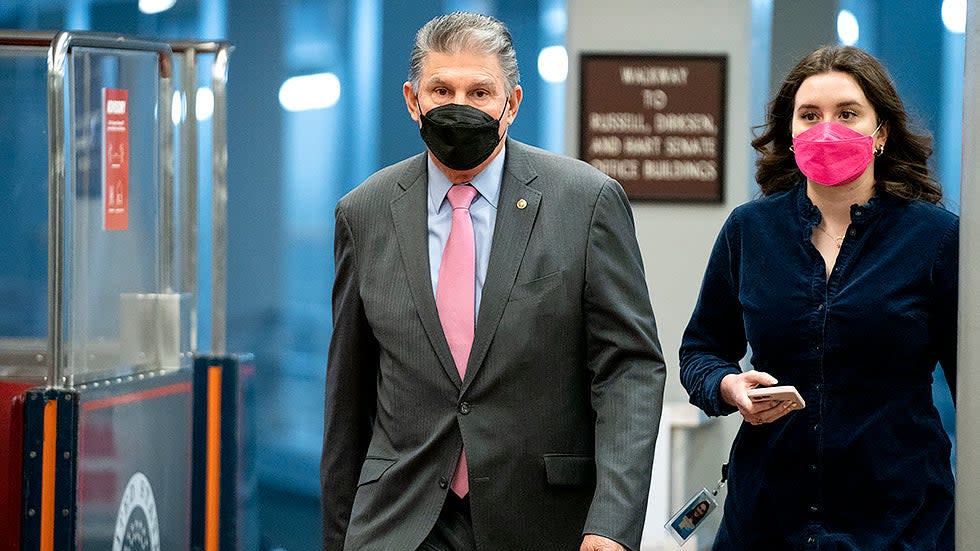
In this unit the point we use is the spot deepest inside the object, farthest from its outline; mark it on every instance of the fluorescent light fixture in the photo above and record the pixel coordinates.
(156, 6)
(205, 104)
(954, 16)
(306, 92)
(848, 29)
(202, 111)
(177, 108)
(553, 64)
(555, 20)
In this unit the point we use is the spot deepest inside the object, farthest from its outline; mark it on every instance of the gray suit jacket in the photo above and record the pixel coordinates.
(563, 390)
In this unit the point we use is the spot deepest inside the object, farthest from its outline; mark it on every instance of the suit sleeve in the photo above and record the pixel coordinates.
(627, 367)
(350, 392)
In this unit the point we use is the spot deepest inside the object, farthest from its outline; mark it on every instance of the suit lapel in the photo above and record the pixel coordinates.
(411, 230)
(517, 209)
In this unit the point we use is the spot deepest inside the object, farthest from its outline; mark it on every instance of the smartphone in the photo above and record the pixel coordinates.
(777, 393)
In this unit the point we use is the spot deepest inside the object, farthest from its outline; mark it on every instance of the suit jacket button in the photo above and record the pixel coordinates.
(463, 408)
(443, 483)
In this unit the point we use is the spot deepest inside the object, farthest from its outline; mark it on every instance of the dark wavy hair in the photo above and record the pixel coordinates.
(901, 170)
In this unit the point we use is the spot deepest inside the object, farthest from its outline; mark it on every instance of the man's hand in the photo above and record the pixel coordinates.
(592, 542)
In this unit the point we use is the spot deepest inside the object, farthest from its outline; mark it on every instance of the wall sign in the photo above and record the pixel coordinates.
(656, 123)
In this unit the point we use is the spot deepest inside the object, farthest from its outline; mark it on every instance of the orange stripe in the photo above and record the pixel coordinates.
(212, 499)
(137, 396)
(47, 474)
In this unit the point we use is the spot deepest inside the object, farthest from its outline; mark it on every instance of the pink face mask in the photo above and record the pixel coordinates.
(832, 154)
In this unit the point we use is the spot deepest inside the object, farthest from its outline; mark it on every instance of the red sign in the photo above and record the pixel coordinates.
(115, 159)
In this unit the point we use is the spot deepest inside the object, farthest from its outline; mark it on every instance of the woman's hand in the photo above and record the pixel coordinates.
(733, 391)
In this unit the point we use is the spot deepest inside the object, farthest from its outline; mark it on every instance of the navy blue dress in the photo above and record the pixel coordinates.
(866, 465)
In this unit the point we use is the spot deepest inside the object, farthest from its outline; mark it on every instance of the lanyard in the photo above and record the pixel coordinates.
(722, 480)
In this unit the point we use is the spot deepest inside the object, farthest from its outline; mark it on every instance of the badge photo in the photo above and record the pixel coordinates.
(689, 518)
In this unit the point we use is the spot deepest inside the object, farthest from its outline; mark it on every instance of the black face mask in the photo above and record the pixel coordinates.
(460, 136)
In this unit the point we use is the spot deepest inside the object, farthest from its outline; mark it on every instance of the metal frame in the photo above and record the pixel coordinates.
(57, 46)
(60, 47)
(219, 80)
(188, 171)
(189, 51)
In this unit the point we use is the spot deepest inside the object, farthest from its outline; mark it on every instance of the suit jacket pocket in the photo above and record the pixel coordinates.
(373, 468)
(564, 469)
(537, 287)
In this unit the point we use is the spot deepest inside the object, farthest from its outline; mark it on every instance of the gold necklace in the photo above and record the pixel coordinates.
(837, 240)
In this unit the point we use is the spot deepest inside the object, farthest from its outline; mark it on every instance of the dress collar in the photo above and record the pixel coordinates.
(860, 214)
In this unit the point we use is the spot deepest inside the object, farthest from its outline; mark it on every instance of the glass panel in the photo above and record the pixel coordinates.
(24, 211)
(121, 311)
(193, 161)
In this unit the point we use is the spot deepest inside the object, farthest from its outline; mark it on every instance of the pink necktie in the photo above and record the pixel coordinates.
(456, 296)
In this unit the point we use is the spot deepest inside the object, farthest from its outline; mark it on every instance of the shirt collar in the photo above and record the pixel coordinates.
(487, 182)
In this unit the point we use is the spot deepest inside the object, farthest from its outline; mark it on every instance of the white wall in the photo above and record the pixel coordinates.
(675, 238)
(968, 409)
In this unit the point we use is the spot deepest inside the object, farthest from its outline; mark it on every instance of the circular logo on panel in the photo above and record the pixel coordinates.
(137, 528)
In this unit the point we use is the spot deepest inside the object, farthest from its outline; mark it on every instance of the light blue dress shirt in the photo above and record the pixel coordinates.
(483, 212)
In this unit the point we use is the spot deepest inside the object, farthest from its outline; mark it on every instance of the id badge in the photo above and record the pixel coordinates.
(691, 516)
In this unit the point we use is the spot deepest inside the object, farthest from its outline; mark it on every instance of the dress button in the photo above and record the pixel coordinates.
(463, 408)
(443, 482)
(814, 509)
(811, 539)
(816, 427)
(813, 467)
(852, 232)
(820, 307)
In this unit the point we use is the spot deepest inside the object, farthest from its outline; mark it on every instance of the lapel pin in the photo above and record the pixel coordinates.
(521, 203)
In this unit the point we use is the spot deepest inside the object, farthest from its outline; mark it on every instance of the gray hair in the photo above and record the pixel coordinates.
(464, 31)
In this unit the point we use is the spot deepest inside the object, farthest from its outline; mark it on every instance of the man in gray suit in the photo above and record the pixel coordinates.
(495, 381)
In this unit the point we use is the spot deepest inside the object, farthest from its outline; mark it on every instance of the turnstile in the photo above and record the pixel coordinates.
(118, 430)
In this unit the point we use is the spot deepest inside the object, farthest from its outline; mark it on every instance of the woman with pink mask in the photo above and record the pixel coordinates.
(842, 281)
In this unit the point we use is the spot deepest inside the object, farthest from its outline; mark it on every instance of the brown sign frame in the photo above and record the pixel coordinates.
(621, 123)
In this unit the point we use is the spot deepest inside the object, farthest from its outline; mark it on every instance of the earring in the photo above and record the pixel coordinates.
(879, 150)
